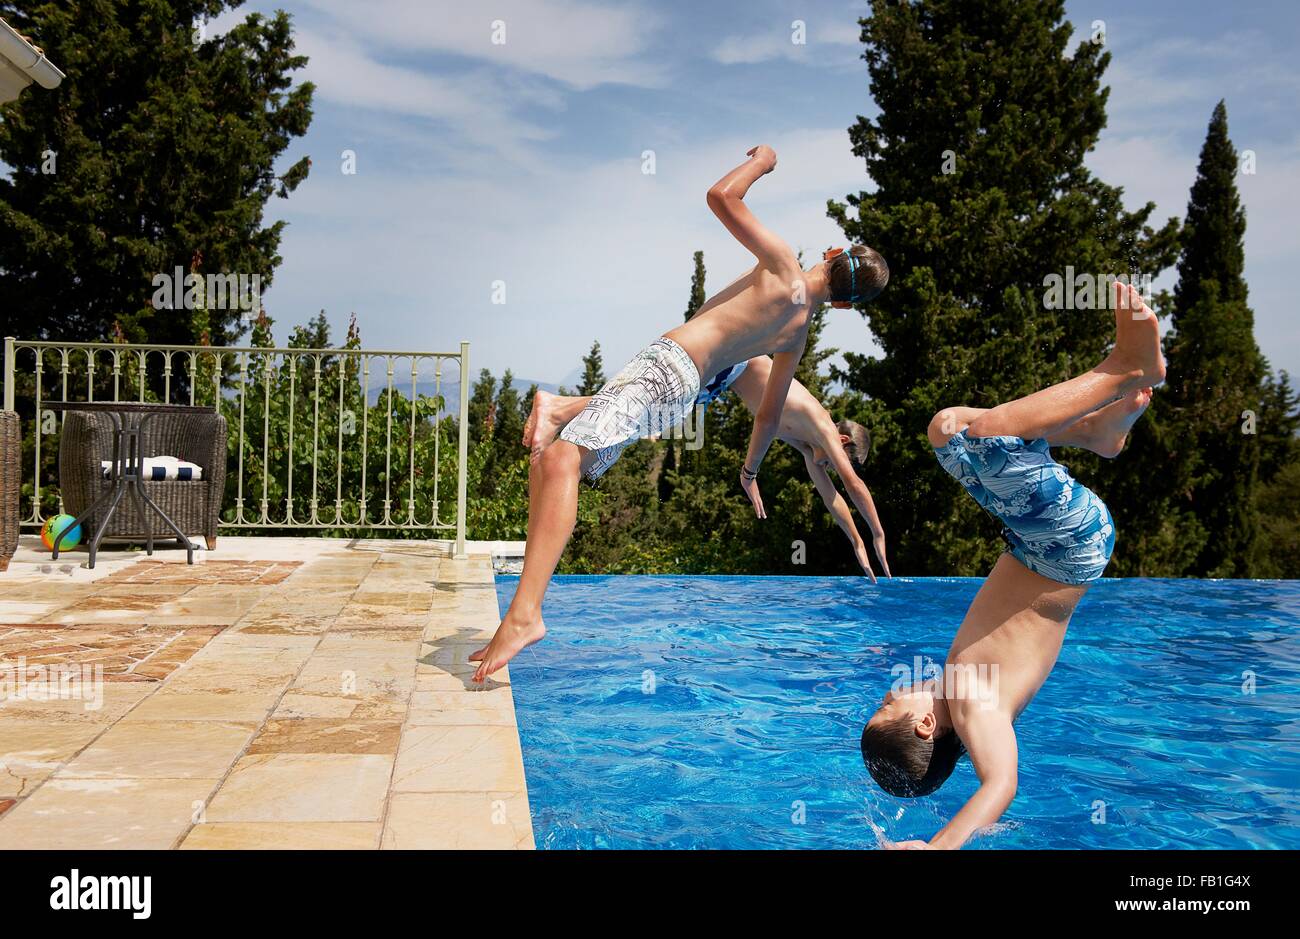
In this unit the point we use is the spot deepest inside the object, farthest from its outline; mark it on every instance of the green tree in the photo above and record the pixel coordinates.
(593, 371)
(1277, 549)
(482, 405)
(155, 147)
(697, 296)
(982, 194)
(1215, 368)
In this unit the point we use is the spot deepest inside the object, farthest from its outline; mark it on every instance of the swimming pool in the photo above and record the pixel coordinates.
(725, 712)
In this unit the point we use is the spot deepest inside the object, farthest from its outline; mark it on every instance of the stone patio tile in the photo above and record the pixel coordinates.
(52, 588)
(235, 705)
(122, 604)
(476, 631)
(161, 750)
(86, 814)
(357, 676)
(336, 707)
(143, 591)
(327, 735)
(211, 571)
(283, 836)
(392, 601)
(459, 759)
(284, 623)
(395, 643)
(354, 616)
(32, 751)
(456, 678)
(491, 706)
(124, 651)
(266, 680)
(252, 652)
(300, 787)
(25, 611)
(113, 700)
(458, 820)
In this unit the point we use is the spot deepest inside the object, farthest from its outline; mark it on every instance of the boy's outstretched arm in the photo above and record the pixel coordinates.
(839, 510)
(726, 199)
(991, 741)
(767, 421)
(861, 497)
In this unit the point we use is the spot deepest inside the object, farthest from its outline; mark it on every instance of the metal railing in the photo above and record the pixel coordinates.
(260, 391)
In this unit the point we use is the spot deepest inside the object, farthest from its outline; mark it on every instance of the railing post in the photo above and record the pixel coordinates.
(461, 467)
(9, 375)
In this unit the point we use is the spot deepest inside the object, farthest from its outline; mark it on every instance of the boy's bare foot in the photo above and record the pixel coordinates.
(1137, 339)
(544, 421)
(1106, 429)
(509, 640)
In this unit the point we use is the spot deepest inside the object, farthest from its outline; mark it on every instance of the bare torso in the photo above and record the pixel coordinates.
(1009, 640)
(757, 314)
(805, 422)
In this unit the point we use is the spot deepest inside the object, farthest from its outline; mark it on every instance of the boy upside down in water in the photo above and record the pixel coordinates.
(805, 425)
(765, 311)
(1060, 537)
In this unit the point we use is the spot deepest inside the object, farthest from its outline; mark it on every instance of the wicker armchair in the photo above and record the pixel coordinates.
(10, 455)
(195, 506)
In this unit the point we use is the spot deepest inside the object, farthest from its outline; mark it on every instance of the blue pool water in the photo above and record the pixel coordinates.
(725, 712)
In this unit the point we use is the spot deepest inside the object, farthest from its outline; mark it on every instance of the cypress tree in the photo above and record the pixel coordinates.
(982, 196)
(1216, 370)
(481, 406)
(593, 371)
(1277, 549)
(697, 296)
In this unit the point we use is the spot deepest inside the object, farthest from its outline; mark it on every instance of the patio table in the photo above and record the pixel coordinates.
(129, 420)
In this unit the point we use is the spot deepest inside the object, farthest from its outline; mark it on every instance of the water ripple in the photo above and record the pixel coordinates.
(724, 712)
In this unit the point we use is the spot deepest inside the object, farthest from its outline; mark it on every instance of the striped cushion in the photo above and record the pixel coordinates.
(162, 467)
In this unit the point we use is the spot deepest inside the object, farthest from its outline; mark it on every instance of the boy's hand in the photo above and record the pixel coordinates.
(766, 155)
(750, 486)
(907, 846)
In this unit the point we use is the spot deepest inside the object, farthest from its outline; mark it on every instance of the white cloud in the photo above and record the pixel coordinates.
(826, 42)
(580, 44)
(477, 104)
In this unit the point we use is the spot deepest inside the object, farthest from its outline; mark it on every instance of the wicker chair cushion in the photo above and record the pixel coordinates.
(163, 467)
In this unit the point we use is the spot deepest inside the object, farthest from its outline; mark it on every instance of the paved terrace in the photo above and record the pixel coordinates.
(280, 693)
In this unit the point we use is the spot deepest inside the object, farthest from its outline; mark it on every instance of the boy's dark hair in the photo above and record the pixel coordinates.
(857, 275)
(904, 764)
(859, 446)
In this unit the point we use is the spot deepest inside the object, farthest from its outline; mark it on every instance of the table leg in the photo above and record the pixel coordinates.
(103, 524)
(144, 519)
(80, 518)
(189, 545)
(115, 494)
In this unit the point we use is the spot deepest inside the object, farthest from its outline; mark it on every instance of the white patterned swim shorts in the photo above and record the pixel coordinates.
(651, 394)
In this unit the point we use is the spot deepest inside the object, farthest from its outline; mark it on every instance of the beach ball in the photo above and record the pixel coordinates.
(55, 525)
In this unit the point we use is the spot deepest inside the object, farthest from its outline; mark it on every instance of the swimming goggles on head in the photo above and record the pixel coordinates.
(831, 254)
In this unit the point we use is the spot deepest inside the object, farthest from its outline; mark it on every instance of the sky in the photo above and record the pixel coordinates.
(515, 170)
